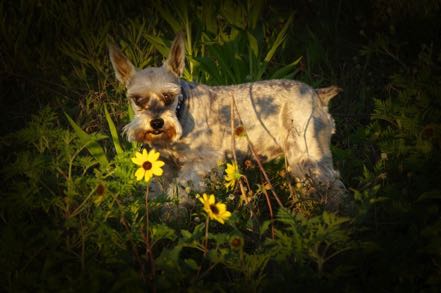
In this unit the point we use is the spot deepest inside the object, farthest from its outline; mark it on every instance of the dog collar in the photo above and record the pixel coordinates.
(182, 98)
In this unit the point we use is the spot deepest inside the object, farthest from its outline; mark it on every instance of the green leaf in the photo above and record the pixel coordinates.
(131, 116)
(279, 40)
(186, 234)
(432, 194)
(161, 231)
(167, 16)
(130, 110)
(113, 132)
(169, 258)
(159, 44)
(275, 45)
(254, 47)
(264, 227)
(209, 16)
(255, 12)
(191, 263)
(91, 143)
(286, 70)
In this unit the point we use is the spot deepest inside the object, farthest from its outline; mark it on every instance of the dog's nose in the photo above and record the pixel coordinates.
(157, 123)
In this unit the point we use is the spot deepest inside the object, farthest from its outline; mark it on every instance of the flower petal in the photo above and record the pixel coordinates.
(220, 220)
(208, 211)
(139, 174)
(157, 171)
(148, 175)
(153, 155)
(143, 156)
(158, 163)
(221, 207)
(226, 215)
(212, 199)
(138, 155)
(138, 161)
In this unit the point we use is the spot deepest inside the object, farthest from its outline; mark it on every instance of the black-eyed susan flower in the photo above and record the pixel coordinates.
(149, 165)
(215, 211)
(232, 175)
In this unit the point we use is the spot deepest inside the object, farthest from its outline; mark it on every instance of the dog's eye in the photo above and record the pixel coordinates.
(139, 100)
(167, 98)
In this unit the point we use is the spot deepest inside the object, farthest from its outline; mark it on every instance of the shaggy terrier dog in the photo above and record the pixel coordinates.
(191, 124)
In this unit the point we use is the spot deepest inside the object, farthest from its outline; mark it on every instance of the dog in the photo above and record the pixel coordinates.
(190, 124)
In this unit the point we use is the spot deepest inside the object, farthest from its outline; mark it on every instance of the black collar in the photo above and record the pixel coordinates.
(183, 98)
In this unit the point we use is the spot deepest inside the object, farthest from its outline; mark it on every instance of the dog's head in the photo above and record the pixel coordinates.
(154, 94)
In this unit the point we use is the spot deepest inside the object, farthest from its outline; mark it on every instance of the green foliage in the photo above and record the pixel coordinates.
(73, 217)
(316, 240)
(90, 142)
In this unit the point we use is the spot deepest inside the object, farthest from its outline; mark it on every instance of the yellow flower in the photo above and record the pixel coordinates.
(148, 165)
(232, 175)
(216, 211)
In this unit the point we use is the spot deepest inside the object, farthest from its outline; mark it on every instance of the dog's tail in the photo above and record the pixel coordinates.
(325, 94)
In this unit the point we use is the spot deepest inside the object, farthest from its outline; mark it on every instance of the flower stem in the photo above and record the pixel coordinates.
(256, 157)
(135, 252)
(206, 235)
(147, 222)
(233, 150)
(148, 246)
(270, 209)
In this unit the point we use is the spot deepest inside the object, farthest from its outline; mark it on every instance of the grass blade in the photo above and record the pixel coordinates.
(92, 145)
(113, 132)
(286, 71)
(278, 41)
(131, 116)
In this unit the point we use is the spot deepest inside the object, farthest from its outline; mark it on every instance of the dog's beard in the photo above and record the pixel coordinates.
(156, 137)
(137, 131)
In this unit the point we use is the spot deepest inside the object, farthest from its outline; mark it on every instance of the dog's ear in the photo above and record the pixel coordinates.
(176, 58)
(124, 69)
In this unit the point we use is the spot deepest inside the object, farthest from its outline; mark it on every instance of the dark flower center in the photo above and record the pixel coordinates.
(147, 165)
(236, 242)
(100, 189)
(214, 209)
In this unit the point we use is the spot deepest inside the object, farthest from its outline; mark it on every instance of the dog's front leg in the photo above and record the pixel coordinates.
(178, 192)
(186, 181)
(192, 175)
